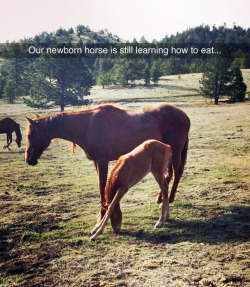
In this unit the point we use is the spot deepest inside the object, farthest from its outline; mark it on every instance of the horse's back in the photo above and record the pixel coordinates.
(6, 125)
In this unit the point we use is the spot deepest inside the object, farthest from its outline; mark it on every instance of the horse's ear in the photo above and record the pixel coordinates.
(37, 116)
(29, 120)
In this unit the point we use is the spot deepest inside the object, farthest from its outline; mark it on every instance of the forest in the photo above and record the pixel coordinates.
(45, 80)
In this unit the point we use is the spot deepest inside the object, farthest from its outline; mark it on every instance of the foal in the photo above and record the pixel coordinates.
(151, 156)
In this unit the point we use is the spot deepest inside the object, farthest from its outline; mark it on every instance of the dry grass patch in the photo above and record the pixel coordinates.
(48, 211)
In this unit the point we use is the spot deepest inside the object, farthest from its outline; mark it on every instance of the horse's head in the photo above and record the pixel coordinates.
(37, 140)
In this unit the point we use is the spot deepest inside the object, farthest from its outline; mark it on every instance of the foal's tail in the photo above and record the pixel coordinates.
(111, 188)
(110, 192)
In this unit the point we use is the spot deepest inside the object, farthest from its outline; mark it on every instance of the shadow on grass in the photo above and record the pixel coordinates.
(22, 251)
(12, 151)
(232, 226)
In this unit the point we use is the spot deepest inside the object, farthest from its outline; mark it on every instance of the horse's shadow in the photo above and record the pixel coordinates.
(12, 150)
(232, 226)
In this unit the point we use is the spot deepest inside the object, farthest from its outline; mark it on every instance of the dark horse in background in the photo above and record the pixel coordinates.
(107, 132)
(8, 126)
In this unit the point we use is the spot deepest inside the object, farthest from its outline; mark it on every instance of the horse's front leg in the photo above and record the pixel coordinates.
(102, 171)
(9, 141)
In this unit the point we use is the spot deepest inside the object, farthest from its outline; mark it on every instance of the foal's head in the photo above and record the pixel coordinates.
(37, 140)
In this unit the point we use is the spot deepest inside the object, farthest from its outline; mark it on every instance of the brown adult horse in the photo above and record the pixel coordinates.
(150, 156)
(8, 126)
(107, 132)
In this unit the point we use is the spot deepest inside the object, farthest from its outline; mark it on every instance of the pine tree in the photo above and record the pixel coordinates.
(155, 72)
(147, 75)
(104, 78)
(10, 92)
(59, 82)
(126, 70)
(237, 87)
(13, 70)
(214, 82)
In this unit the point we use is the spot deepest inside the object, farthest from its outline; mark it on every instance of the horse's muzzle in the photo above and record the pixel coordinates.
(31, 161)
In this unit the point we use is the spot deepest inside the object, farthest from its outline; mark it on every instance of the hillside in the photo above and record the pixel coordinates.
(200, 34)
(207, 34)
(81, 34)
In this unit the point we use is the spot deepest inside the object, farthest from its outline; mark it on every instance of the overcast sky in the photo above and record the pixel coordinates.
(128, 18)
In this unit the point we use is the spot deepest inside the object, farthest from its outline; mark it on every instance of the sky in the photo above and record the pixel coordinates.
(128, 19)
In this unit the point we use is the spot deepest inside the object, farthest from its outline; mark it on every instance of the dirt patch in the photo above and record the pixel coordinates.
(29, 263)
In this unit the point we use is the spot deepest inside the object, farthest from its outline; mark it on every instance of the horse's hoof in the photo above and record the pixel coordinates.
(158, 224)
(94, 230)
(93, 238)
(116, 230)
(159, 200)
(171, 199)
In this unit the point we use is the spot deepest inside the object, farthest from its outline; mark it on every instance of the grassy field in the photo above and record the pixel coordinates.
(47, 211)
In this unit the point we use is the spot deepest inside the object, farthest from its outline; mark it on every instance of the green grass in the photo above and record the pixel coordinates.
(47, 211)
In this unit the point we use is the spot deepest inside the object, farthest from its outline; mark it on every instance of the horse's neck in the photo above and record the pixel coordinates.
(67, 126)
(17, 130)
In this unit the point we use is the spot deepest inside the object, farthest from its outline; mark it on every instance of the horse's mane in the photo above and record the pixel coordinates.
(17, 130)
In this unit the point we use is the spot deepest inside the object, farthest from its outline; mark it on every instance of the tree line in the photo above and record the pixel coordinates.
(54, 81)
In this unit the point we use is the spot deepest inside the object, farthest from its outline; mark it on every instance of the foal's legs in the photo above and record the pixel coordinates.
(165, 212)
(177, 170)
(101, 225)
(168, 178)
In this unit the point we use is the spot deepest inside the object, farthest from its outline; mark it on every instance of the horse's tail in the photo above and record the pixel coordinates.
(185, 149)
(184, 155)
(74, 148)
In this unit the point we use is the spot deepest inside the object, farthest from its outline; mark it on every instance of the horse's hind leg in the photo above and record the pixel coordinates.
(178, 171)
(168, 178)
